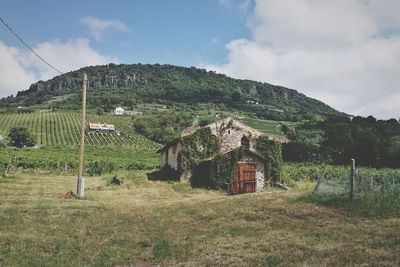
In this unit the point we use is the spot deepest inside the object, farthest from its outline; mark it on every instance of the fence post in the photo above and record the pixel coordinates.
(352, 176)
(320, 180)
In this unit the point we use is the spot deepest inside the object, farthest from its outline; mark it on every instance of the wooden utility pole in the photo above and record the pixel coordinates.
(80, 190)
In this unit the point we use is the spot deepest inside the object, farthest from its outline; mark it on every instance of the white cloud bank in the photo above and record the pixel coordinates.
(98, 26)
(344, 52)
(19, 67)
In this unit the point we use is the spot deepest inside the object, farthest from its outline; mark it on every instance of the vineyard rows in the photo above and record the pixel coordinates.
(62, 128)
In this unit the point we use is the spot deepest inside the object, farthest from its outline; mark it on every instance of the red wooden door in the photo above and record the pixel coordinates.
(245, 178)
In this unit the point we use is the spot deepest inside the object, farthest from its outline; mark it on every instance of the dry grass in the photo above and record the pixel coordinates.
(150, 223)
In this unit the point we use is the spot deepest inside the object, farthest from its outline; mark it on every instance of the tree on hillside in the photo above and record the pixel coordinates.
(20, 137)
(2, 143)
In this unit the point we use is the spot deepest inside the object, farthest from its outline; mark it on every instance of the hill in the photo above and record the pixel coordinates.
(130, 85)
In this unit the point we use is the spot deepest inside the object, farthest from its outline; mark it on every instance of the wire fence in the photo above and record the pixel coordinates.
(357, 182)
(375, 181)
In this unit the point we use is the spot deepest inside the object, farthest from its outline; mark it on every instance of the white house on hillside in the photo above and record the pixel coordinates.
(119, 111)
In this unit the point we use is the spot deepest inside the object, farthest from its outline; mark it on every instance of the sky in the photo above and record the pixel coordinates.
(345, 53)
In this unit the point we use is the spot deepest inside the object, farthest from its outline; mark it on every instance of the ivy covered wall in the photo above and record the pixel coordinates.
(272, 151)
(224, 166)
(196, 147)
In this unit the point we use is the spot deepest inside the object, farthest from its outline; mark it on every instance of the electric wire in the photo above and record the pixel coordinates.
(30, 48)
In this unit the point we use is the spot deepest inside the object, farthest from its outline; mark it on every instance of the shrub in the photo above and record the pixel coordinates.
(20, 137)
(99, 167)
(272, 151)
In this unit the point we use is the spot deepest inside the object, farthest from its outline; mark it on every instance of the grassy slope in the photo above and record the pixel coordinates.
(145, 222)
(267, 127)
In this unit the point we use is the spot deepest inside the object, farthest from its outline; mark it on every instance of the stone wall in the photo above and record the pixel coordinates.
(173, 152)
(230, 133)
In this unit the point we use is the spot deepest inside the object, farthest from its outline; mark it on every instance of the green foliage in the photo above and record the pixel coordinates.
(3, 166)
(224, 168)
(272, 151)
(97, 159)
(371, 142)
(374, 204)
(166, 173)
(98, 167)
(197, 147)
(20, 137)
(305, 142)
(206, 121)
(303, 171)
(99, 111)
(162, 128)
(2, 142)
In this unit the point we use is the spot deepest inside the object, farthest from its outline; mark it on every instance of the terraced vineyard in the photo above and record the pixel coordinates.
(62, 128)
(265, 126)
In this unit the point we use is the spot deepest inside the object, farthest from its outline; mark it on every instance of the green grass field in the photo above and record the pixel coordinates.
(265, 126)
(145, 223)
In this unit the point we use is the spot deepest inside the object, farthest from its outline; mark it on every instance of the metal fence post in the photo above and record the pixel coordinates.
(352, 176)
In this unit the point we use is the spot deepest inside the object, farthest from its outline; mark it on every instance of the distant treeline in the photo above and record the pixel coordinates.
(372, 142)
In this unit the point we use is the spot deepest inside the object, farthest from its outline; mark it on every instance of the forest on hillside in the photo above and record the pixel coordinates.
(372, 142)
(130, 85)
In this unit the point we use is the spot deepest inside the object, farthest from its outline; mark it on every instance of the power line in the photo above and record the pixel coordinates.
(33, 51)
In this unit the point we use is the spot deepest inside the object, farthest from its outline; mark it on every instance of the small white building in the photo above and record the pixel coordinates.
(101, 127)
(119, 111)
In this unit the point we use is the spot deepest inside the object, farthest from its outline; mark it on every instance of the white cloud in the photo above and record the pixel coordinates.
(98, 26)
(14, 75)
(345, 53)
(19, 67)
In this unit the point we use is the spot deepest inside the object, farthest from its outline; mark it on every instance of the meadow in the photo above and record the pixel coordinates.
(376, 192)
(265, 126)
(147, 223)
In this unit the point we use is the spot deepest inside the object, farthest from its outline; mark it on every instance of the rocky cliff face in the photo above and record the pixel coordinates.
(98, 80)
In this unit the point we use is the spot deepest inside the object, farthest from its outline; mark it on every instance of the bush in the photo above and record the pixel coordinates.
(165, 174)
(99, 167)
(20, 137)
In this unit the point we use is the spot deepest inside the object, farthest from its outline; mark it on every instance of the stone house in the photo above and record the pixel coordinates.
(249, 173)
(119, 111)
(233, 138)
